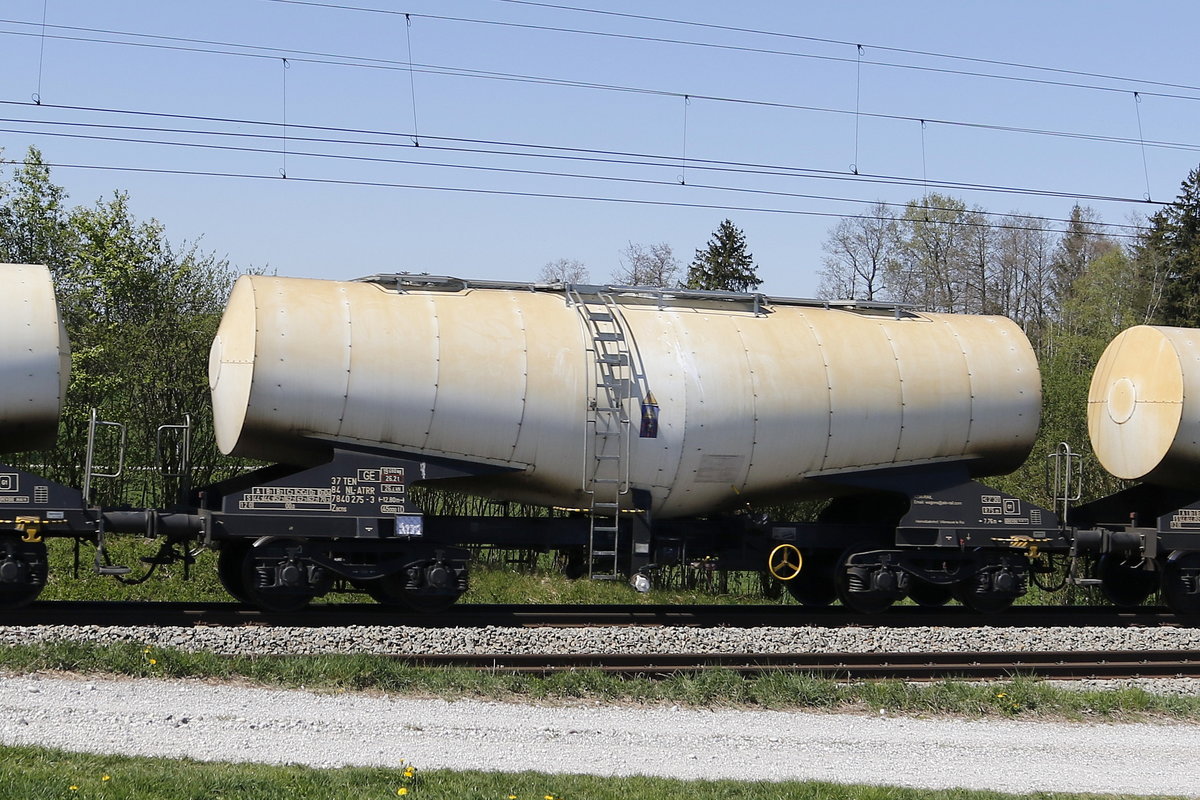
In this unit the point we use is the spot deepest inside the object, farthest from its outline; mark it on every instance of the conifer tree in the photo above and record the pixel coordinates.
(724, 265)
(1173, 246)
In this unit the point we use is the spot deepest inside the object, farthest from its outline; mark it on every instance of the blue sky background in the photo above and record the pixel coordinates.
(322, 222)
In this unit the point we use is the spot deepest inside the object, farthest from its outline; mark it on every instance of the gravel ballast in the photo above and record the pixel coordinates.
(641, 639)
(228, 723)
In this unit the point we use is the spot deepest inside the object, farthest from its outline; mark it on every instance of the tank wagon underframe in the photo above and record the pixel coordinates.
(286, 535)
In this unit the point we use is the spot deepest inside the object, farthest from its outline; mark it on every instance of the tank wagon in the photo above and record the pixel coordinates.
(652, 422)
(1144, 425)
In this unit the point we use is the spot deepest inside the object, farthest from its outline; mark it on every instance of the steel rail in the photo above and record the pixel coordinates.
(1064, 665)
(129, 613)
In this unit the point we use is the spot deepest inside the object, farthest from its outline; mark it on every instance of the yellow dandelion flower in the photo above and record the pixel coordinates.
(153, 661)
(74, 788)
(403, 790)
(512, 797)
(1001, 694)
(106, 778)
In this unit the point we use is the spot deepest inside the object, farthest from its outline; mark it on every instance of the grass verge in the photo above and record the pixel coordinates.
(1016, 698)
(39, 774)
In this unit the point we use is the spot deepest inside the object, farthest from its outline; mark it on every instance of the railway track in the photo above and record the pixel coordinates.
(112, 614)
(1078, 665)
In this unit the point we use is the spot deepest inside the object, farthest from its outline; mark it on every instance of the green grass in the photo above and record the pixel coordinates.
(1016, 698)
(38, 774)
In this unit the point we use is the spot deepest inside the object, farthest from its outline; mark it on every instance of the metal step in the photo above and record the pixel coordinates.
(613, 506)
(615, 359)
(600, 553)
(605, 576)
(112, 570)
(600, 316)
(604, 336)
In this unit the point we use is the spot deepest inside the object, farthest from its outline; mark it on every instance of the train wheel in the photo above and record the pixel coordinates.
(983, 601)
(23, 570)
(1124, 582)
(865, 587)
(1181, 582)
(229, 569)
(276, 578)
(390, 591)
(929, 594)
(815, 584)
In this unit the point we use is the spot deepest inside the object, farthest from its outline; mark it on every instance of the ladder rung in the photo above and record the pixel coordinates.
(616, 359)
(606, 505)
(606, 480)
(604, 336)
(606, 576)
(604, 529)
(113, 570)
(600, 316)
(600, 553)
(608, 458)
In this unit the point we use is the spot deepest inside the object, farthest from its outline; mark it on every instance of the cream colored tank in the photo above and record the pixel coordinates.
(1144, 406)
(36, 364)
(751, 401)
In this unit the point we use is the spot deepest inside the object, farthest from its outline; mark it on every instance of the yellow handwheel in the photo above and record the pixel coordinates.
(784, 562)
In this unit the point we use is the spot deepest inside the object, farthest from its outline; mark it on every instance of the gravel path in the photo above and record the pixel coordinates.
(216, 722)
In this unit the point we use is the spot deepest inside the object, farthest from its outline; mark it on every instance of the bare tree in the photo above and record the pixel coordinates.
(647, 265)
(858, 252)
(934, 268)
(564, 270)
(1024, 250)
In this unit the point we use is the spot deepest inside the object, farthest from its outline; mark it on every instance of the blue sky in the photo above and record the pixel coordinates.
(789, 113)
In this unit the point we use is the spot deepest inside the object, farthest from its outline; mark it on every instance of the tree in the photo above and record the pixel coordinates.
(933, 265)
(1172, 248)
(563, 270)
(140, 314)
(647, 265)
(1081, 244)
(859, 251)
(724, 265)
(33, 224)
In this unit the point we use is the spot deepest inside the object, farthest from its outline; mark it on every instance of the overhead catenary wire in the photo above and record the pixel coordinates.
(534, 150)
(845, 42)
(742, 48)
(516, 193)
(234, 49)
(612, 157)
(1006, 224)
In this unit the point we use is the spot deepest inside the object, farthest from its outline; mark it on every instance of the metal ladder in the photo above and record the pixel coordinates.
(90, 471)
(607, 429)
